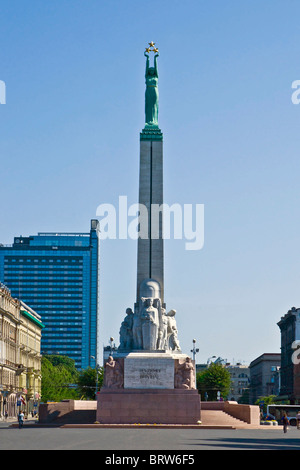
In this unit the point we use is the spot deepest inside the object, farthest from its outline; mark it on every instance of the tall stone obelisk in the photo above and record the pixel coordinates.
(150, 259)
(149, 379)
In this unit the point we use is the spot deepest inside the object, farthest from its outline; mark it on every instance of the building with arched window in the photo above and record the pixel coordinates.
(20, 356)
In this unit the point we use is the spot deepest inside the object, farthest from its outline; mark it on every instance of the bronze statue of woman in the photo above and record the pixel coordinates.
(151, 98)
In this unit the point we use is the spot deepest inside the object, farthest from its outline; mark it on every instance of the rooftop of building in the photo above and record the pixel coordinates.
(76, 239)
(29, 313)
(266, 357)
(290, 313)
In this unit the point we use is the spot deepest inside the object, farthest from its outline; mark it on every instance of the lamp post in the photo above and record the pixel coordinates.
(195, 351)
(97, 374)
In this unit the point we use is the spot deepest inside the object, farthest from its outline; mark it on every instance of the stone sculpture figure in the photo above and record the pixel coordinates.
(150, 324)
(173, 342)
(126, 334)
(137, 330)
(151, 97)
(163, 326)
(185, 374)
(113, 375)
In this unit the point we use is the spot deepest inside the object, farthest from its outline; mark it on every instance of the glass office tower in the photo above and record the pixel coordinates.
(57, 275)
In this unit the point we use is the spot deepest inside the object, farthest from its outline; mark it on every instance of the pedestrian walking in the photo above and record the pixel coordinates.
(285, 422)
(21, 419)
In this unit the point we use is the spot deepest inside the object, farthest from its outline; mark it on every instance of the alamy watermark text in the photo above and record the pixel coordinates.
(153, 222)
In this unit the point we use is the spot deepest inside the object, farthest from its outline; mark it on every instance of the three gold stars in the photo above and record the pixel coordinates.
(151, 44)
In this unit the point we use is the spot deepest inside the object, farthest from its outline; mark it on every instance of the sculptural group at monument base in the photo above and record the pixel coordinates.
(149, 327)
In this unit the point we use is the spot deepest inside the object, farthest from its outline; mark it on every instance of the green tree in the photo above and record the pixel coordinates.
(263, 402)
(64, 361)
(59, 375)
(213, 379)
(87, 382)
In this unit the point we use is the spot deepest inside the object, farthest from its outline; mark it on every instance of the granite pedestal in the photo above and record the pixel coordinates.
(157, 388)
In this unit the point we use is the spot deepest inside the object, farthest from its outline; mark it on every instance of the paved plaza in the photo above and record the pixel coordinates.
(113, 440)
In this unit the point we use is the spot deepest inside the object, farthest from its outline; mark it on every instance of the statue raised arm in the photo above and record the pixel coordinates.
(155, 63)
(147, 62)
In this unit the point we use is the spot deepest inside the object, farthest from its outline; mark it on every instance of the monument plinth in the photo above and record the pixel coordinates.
(149, 379)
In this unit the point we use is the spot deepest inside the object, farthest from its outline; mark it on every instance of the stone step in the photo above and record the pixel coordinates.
(220, 418)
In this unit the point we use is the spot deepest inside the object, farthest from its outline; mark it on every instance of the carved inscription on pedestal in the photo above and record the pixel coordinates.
(148, 373)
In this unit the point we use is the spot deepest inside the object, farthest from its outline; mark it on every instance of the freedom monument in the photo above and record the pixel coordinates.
(149, 379)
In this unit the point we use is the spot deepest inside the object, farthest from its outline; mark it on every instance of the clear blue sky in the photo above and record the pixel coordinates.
(69, 141)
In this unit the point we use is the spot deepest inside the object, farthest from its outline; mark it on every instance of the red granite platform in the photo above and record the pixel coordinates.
(148, 406)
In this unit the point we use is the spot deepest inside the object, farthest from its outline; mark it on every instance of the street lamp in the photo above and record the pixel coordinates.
(194, 350)
(97, 374)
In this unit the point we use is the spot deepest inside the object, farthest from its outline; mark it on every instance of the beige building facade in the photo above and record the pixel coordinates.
(240, 380)
(264, 376)
(20, 357)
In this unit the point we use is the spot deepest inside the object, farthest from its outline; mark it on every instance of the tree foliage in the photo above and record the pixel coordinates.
(58, 375)
(65, 361)
(62, 381)
(213, 379)
(86, 383)
(263, 402)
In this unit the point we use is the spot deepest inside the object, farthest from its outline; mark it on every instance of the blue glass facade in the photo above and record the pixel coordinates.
(57, 275)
